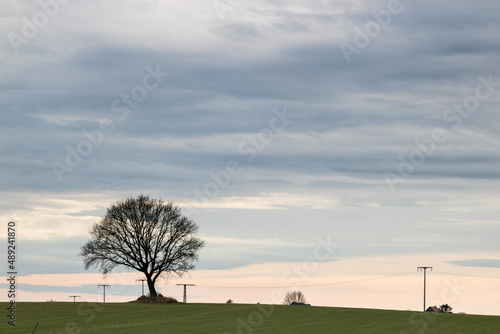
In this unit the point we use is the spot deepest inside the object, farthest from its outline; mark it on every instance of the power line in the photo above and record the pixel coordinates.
(463, 275)
(74, 298)
(185, 290)
(338, 283)
(104, 293)
(306, 285)
(141, 280)
(425, 271)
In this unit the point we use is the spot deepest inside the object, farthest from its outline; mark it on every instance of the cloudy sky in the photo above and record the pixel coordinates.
(278, 126)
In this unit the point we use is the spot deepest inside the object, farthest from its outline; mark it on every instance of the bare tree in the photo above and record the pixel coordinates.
(146, 235)
(294, 296)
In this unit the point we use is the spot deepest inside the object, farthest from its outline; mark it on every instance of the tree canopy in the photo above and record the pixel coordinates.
(294, 296)
(143, 234)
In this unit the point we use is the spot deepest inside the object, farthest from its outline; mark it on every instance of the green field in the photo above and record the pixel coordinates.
(124, 318)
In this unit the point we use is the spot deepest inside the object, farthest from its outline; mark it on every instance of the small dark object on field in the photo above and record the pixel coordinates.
(304, 304)
(35, 328)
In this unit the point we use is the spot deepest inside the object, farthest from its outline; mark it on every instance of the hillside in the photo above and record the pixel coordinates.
(128, 318)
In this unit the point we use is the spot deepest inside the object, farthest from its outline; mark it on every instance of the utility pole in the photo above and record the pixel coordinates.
(74, 298)
(425, 271)
(141, 280)
(104, 293)
(185, 289)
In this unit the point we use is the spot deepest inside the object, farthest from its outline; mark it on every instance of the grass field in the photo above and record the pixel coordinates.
(125, 318)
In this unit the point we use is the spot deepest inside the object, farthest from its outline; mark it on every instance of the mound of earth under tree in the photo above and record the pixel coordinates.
(155, 300)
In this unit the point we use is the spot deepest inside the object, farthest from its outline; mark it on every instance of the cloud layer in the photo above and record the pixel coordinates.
(257, 122)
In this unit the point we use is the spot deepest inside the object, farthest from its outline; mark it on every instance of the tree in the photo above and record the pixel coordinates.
(146, 235)
(445, 308)
(294, 296)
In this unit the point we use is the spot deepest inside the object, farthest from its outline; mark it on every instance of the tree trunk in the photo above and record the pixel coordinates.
(151, 286)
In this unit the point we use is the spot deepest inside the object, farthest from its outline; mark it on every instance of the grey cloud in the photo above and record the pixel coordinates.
(482, 263)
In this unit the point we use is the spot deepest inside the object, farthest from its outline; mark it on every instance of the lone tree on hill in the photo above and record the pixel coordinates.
(146, 235)
(294, 296)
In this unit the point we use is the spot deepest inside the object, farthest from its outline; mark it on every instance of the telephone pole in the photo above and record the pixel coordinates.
(185, 289)
(425, 271)
(104, 293)
(141, 280)
(74, 298)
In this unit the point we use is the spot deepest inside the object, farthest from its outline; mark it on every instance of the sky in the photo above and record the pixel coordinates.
(330, 147)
